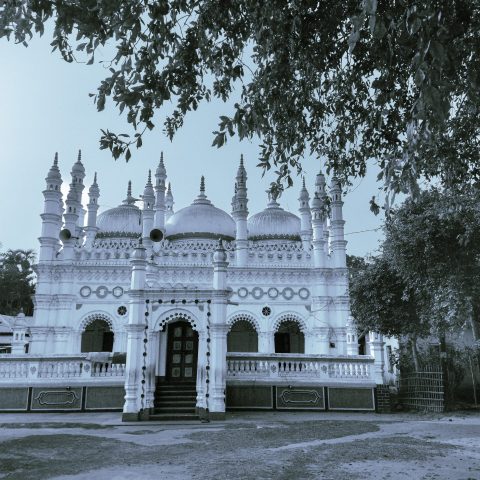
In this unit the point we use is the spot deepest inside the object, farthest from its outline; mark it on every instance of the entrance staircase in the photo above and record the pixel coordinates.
(175, 401)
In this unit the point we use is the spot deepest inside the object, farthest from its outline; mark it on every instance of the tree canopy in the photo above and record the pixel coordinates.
(427, 279)
(16, 282)
(352, 82)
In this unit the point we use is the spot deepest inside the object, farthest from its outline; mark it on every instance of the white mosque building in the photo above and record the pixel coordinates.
(214, 311)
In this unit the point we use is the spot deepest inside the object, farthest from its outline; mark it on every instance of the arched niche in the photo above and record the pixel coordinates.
(97, 335)
(289, 337)
(242, 336)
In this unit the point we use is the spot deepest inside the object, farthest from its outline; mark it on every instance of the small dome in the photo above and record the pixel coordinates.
(124, 220)
(274, 223)
(200, 219)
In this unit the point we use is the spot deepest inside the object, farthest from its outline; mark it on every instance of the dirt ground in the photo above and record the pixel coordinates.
(260, 445)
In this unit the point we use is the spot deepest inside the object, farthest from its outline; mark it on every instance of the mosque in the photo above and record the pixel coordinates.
(190, 312)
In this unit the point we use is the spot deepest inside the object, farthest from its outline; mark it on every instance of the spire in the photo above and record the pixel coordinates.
(94, 191)
(54, 178)
(148, 193)
(304, 196)
(161, 170)
(149, 181)
(129, 200)
(169, 202)
(202, 198)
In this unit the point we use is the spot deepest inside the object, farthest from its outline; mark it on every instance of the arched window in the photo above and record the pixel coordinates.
(242, 337)
(97, 337)
(289, 338)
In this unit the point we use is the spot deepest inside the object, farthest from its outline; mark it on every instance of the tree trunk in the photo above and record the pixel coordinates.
(447, 387)
(416, 363)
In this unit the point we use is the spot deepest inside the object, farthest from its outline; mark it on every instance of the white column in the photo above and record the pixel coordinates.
(377, 350)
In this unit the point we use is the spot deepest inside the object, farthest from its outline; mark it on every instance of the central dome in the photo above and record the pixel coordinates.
(274, 223)
(124, 220)
(200, 219)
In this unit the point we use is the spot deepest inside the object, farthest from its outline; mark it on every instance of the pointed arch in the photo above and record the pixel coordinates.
(176, 314)
(243, 316)
(242, 333)
(290, 317)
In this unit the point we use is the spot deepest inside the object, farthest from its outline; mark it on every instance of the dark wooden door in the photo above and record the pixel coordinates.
(282, 342)
(182, 352)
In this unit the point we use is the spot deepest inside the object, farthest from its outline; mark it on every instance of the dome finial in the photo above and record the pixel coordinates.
(95, 178)
(129, 189)
(79, 158)
(202, 185)
(149, 181)
(241, 160)
(55, 160)
(303, 183)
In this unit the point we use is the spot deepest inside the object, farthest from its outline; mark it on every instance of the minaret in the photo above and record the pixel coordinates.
(306, 217)
(240, 215)
(338, 243)
(78, 174)
(160, 176)
(92, 208)
(51, 217)
(318, 219)
(148, 212)
(169, 202)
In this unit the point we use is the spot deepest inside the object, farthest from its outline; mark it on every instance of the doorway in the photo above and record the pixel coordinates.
(182, 350)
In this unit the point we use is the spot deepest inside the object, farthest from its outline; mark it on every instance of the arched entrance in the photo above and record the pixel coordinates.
(289, 338)
(242, 337)
(182, 351)
(97, 337)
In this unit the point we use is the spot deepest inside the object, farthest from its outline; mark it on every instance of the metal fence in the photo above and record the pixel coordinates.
(423, 390)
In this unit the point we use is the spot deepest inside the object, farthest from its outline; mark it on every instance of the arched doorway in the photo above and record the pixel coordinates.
(182, 351)
(289, 338)
(242, 337)
(97, 337)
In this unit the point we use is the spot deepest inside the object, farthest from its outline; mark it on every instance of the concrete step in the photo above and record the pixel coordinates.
(178, 403)
(173, 417)
(188, 409)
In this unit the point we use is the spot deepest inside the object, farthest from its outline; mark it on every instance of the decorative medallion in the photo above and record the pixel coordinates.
(117, 292)
(266, 311)
(272, 292)
(101, 291)
(242, 292)
(85, 291)
(288, 293)
(304, 293)
(122, 310)
(258, 293)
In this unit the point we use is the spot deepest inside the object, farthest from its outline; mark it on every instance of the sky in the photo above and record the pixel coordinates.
(45, 108)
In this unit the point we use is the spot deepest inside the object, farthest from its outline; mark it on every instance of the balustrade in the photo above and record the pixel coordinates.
(284, 367)
(38, 368)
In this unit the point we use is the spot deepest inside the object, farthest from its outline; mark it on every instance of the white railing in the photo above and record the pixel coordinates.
(283, 368)
(38, 368)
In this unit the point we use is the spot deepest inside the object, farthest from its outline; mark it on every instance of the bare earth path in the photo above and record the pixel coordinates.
(261, 445)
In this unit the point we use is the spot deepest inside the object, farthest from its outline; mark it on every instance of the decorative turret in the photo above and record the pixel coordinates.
(51, 216)
(148, 210)
(306, 232)
(338, 243)
(169, 202)
(240, 215)
(92, 208)
(78, 174)
(318, 219)
(160, 176)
